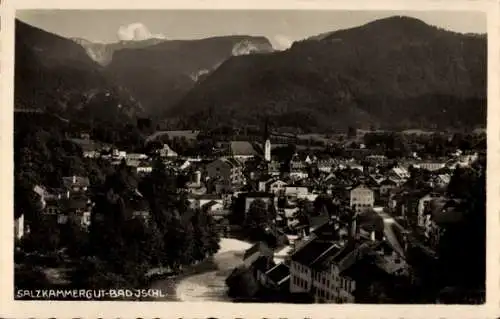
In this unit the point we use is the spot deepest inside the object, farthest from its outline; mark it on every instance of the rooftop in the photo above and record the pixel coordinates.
(278, 273)
(323, 261)
(311, 251)
(76, 181)
(205, 197)
(258, 247)
(365, 270)
(241, 148)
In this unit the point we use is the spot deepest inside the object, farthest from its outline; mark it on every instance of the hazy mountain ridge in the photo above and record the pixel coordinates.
(102, 53)
(55, 74)
(160, 75)
(397, 71)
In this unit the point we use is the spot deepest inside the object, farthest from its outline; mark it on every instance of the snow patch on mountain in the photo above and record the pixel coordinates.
(244, 47)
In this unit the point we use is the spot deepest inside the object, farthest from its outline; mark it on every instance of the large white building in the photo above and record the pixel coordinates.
(302, 260)
(361, 198)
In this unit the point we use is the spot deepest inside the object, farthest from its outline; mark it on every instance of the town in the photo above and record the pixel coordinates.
(360, 216)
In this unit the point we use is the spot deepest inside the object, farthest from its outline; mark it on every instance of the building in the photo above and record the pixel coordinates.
(277, 278)
(144, 168)
(432, 166)
(213, 207)
(252, 196)
(302, 260)
(76, 184)
(273, 186)
(242, 150)
(274, 168)
(199, 201)
(422, 207)
(441, 180)
(361, 198)
(117, 154)
(257, 251)
(136, 156)
(358, 281)
(326, 165)
(398, 173)
(19, 227)
(442, 213)
(77, 209)
(166, 151)
(296, 191)
(228, 172)
(323, 277)
(297, 164)
(386, 186)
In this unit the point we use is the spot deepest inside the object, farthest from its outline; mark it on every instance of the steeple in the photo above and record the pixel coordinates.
(267, 141)
(266, 129)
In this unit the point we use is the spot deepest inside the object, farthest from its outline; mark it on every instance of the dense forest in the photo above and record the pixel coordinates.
(43, 156)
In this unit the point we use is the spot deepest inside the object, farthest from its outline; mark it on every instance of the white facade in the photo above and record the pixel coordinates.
(361, 198)
(330, 287)
(297, 175)
(144, 169)
(431, 166)
(19, 227)
(300, 277)
(296, 191)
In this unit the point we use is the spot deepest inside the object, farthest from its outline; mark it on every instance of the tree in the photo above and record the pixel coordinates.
(462, 247)
(258, 215)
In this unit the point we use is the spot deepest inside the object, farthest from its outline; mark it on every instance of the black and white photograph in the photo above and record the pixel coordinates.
(250, 156)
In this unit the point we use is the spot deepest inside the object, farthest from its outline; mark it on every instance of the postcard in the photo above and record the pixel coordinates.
(227, 159)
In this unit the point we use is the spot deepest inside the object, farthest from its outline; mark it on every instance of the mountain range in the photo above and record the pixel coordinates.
(396, 72)
(102, 53)
(392, 73)
(55, 75)
(160, 75)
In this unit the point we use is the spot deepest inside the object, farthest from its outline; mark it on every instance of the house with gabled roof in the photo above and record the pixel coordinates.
(243, 150)
(302, 260)
(75, 184)
(227, 171)
(277, 278)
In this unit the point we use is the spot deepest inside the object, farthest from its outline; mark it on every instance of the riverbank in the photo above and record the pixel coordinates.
(206, 280)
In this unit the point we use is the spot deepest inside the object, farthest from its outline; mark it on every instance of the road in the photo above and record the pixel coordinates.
(391, 237)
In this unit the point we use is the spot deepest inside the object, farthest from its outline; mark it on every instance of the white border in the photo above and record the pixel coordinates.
(20, 309)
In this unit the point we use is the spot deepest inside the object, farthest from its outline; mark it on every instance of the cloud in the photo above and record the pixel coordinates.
(282, 42)
(136, 32)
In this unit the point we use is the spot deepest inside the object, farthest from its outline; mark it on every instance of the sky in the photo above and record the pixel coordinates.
(279, 26)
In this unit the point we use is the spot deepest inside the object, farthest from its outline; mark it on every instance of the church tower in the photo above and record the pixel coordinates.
(267, 143)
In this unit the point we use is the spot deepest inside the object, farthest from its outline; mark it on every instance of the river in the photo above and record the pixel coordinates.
(208, 285)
